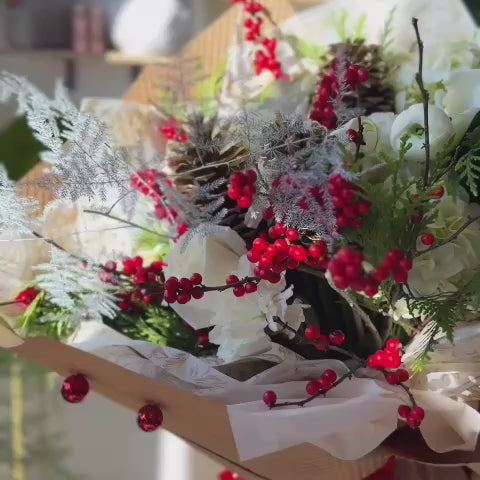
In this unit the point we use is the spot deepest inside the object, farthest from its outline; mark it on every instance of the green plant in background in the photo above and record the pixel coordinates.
(19, 150)
(474, 6)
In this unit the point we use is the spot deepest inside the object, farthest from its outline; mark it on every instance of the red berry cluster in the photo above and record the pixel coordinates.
(349, 206)
(146, 181)
(389, 358)
(328, 91)
(397, 265)
(266, 55)
(27, 296)
(184, 289)
(347, 272)
(414, 416)
(321, 342)
(323, 384)
(277, 252)
(242, 188)
(242, 288)
(171, 131)
(143, 279)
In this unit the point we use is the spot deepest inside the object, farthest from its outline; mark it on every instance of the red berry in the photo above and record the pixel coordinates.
(403, 375)
(404, 411)
(238, 179)
(265, 261)
(253, 256)
(245, 202)
(395, 255)
(203, 339)
(312, 334)
(150, 418)
(239, 291)
(292, 234)
(324, 383)
(197, 293)
(351, 75)
(186, 284)
(183, 298)
(271, 250)
(313, 388)
(336, 267)
(251, 176)
(170, 296)
(392, 360)
(371, 288)
(322, 343)
(400, 277)
(346, 255)
(234, 192)
(393, 345)
(381, 274)
(406, 264)
(268, 213)
(363, 75)
(281, 244)
(330, 375)
(337, 338)
(352, 272)
(418, 413)
(280, 228)
(413, 421)
(298, 253)
(172, 284)
(270, 398)
(292, 264)
(148, 299)
(364, 208)
(249, 190)
(438, 193)
(353, 136)
(341, 282)
(260, 245)
(372, 363)
(318, 249)
(428, 239)
(231, 279)
(75, 388)
(379, 358)
(250, 287)
(196, 279)
(392, 378)
(274, 277)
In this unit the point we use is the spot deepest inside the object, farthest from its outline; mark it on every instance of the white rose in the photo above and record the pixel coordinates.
(86, 234)
(214, 257)
(446, 267)
(412, 120)
(462, 98)
(240, 322)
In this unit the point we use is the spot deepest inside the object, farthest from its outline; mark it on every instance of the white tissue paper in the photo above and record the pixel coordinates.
(360, 408)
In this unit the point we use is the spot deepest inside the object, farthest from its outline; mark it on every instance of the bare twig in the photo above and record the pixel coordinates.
(425, 101)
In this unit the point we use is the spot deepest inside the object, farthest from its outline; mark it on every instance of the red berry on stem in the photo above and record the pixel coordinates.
(400, 277)
(292, 234)
(231, 279)
(313, 388)
(392, 360)
(363, 75)
(413, 421)
(172, 284)
(393, 345)
(186, 284)
(280, 228)
(260, 245)
(324, 383)
(249, 190)
(381, 274)
(404, 411)
(198, 293)
(268, 213)
(318, 249)
(392, 378)
(196, 279)
(403, 375)
(337, 337)
(239, 291)
(312, 334)
(75, 388)
(371, 288)
(346, 255)
(330, 375)
(183, 298)
(353, 136)
(253, 256)
(170, 296)
(418, 413)
(234, 192)
(281, 244)
(245, 202)
(250, 287)
(251, 176)
(298, 253)
(428, 239)
(341, 282)
(150, 418)
(270, 398)
(406, 264)
(238, 179)
(322, 343)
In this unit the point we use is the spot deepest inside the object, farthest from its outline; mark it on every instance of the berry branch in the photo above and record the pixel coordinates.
(425, 100)
(452, 237)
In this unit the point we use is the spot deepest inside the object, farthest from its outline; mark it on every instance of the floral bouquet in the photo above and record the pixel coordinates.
(309, 257)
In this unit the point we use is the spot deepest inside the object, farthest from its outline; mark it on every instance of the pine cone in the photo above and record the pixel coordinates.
(377, 94)
(208, 156)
